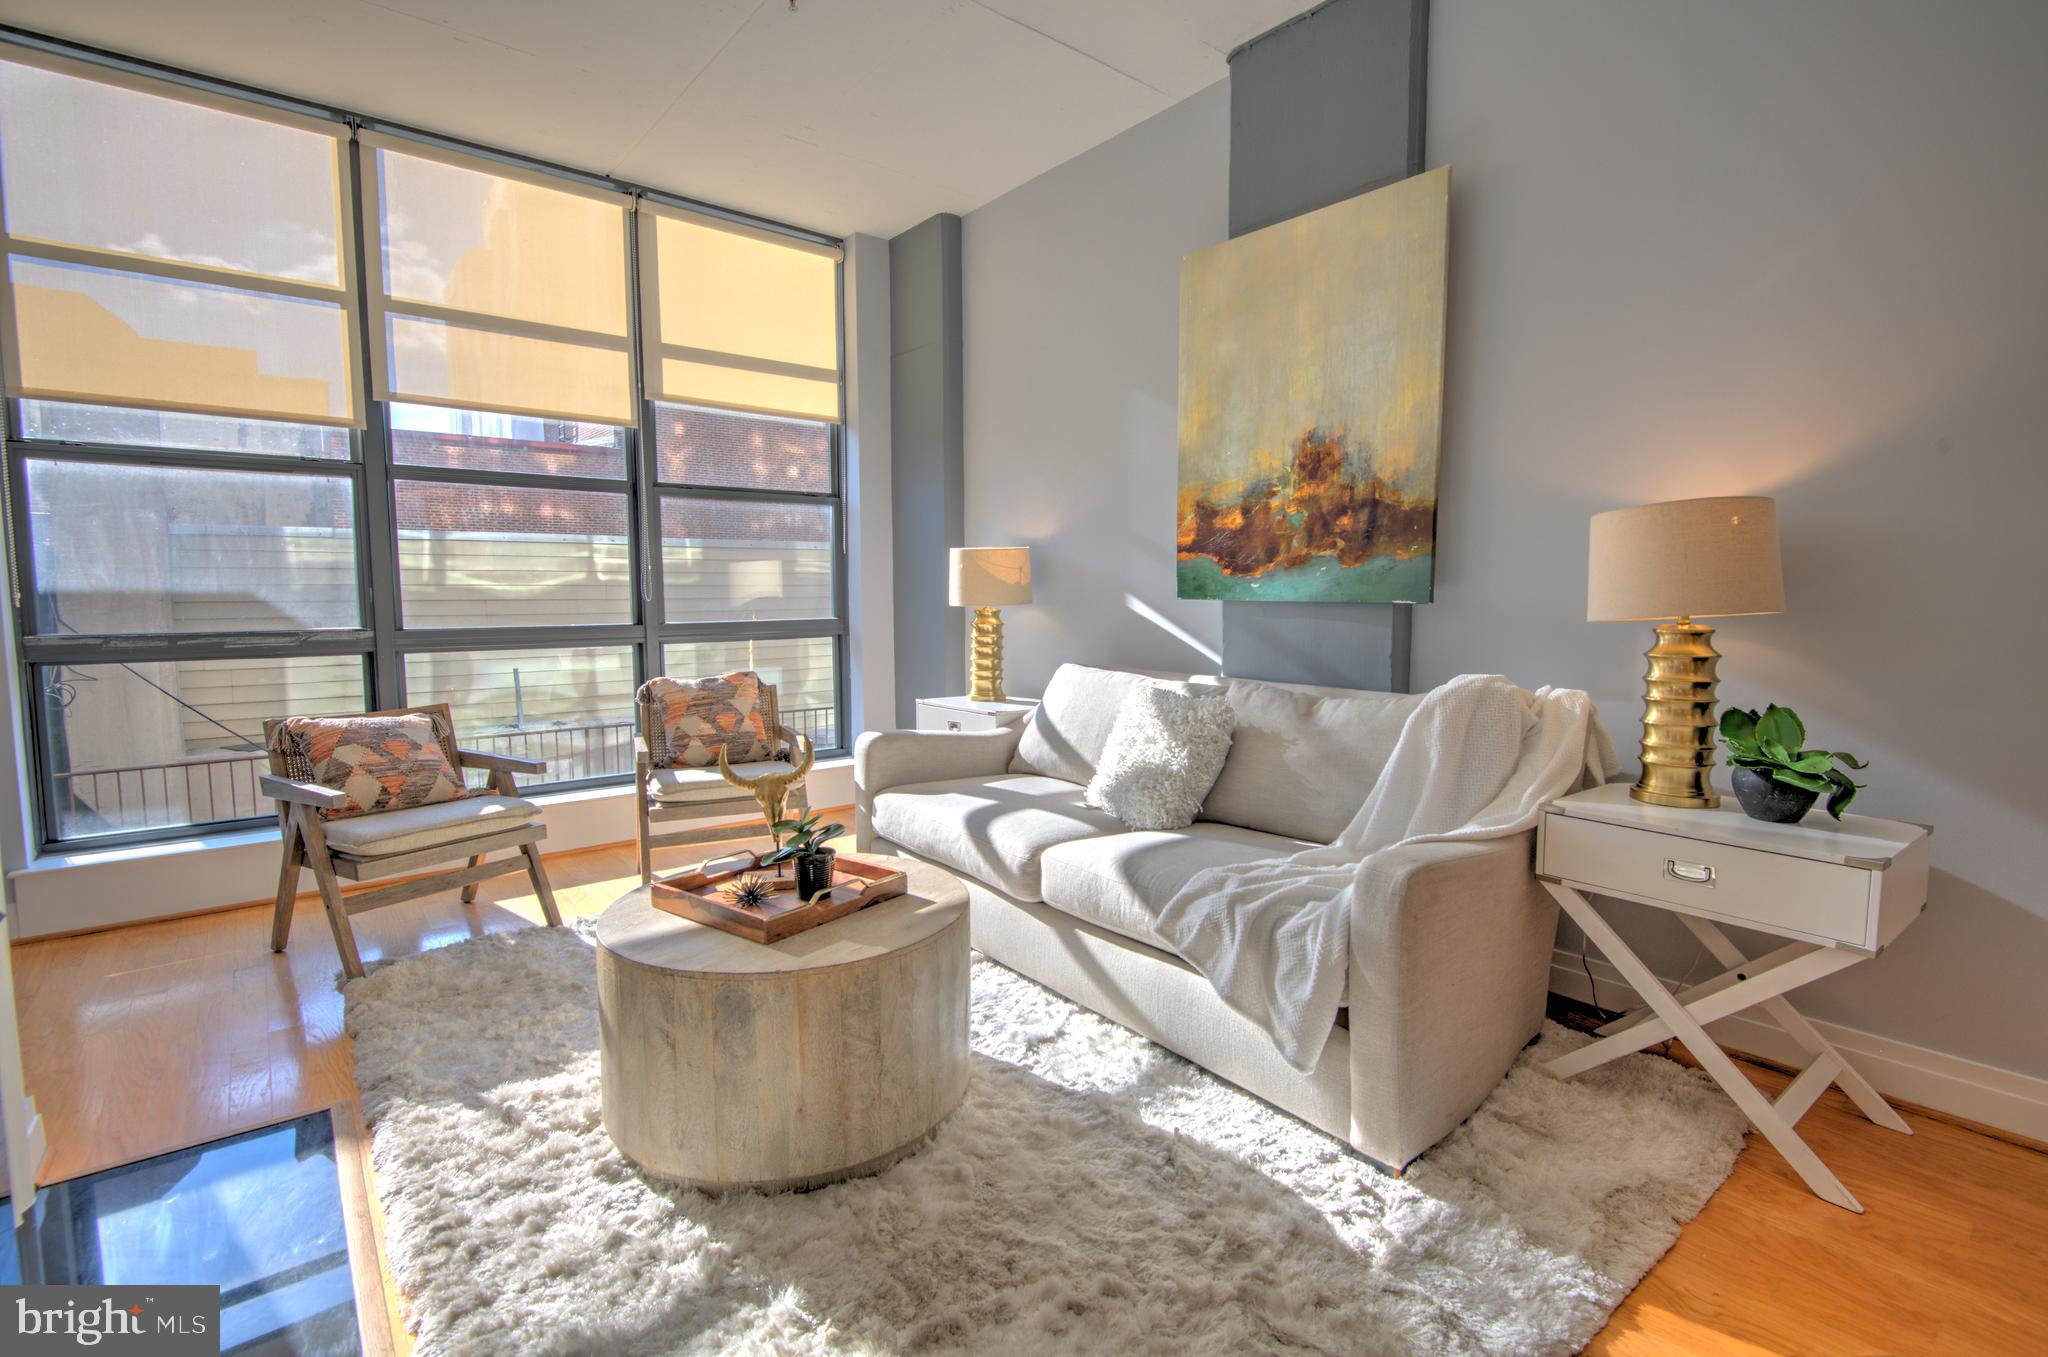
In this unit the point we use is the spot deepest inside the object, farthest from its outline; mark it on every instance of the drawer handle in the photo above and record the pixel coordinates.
(1696, 873)
(952, 725)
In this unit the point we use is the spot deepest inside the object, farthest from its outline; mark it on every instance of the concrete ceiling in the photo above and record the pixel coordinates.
(839, 115)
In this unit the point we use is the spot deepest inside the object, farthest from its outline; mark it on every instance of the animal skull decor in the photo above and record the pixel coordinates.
(772, 789)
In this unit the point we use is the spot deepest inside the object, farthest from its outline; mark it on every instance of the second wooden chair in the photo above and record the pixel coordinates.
(684, 725)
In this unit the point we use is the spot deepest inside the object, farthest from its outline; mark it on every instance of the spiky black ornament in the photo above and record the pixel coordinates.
(749, 892)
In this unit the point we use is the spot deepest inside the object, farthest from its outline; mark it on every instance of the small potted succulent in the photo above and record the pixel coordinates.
(1776, 777)
(803, 842)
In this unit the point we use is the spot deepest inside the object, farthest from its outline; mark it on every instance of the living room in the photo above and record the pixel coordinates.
(917, 676)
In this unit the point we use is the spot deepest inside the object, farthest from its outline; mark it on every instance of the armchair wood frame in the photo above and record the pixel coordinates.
(304, 845)
(650, 751)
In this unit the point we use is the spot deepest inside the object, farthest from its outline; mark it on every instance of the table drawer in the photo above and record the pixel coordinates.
(1822, 900)
(931, 716)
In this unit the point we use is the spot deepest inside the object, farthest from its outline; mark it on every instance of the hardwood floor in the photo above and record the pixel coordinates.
(161, 1035)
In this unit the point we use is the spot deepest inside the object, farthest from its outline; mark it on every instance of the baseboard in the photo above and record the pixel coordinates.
(2016, 1103)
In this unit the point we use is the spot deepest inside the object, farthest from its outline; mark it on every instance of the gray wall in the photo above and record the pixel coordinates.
(1798, 250)
(870, 490)
(1738, 248)
(1323, 109)
(1072, 360)
(925, 472)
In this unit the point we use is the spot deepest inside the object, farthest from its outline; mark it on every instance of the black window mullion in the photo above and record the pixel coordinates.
(643, 468)
(177, 459)
(442, 640)
(376, 511)
(753, 629)
(652, 581)
(681, 490)
(842, 570)
(21, 547)
(169, 647)
(21, 579)
(529, 480)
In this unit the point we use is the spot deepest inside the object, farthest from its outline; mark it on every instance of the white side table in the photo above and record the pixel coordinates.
(1838, 891)
(963, 713)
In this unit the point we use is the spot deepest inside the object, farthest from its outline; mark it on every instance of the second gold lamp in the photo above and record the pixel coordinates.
(1672, 564)
(988, 579)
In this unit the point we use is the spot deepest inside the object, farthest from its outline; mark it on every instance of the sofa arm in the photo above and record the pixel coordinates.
(895, 758)
(1450, 966)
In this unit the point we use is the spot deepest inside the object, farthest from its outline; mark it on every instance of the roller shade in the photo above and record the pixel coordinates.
(171, 250)
(739, 318)
(495, 290)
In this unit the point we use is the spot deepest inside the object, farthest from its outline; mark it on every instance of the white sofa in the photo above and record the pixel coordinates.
(1444, 988)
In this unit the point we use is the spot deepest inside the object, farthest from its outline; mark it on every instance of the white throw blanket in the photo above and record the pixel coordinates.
(1477, 759)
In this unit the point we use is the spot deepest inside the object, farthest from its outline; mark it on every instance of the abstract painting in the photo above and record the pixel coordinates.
(1311, 403)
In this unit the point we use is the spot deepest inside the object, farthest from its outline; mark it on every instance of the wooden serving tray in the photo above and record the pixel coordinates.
(698, 895)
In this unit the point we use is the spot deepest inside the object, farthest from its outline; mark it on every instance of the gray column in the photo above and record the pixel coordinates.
(925, 474)
(1321, 109)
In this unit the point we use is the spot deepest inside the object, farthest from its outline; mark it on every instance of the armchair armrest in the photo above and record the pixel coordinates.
(500, 763)
(300, 793)
(893, 758)
(785, 743)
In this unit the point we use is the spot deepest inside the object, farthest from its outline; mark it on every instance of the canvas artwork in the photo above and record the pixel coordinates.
(1311, 401)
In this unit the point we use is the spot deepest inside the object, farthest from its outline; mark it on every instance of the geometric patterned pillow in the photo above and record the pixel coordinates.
(382, 762)
(730, 712)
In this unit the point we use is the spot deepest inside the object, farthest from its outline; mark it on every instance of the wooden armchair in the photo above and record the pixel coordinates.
(681, 794)
(386, 843)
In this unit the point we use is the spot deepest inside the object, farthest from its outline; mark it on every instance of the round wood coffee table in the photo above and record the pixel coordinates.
(732, 1064)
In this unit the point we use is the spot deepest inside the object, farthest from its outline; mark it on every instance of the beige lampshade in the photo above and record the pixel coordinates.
(1685, 558)
(990, 577)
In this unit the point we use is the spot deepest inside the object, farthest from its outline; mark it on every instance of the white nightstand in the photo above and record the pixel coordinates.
(963, 713)
(1840, 891)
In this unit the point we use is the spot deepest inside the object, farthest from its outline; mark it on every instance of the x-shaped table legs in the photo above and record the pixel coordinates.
(1745, 984)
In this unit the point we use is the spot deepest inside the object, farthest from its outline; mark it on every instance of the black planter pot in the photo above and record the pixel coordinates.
(814, 873)
(1763, 797)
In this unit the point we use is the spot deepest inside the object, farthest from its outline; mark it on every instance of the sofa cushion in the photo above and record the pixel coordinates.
(1301, 763)
(992, 828)
(1122, 881)
(680, 786)
(1070, 726)
(401, 831)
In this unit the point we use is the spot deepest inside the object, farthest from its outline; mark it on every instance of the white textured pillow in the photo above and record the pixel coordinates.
(1163, 755)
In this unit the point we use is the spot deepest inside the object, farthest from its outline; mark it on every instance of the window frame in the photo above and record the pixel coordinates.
(663, 633)
(35, 649)
(381, 642)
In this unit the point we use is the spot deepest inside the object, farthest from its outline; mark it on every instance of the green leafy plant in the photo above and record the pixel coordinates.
(800, 839)
(1774, 744)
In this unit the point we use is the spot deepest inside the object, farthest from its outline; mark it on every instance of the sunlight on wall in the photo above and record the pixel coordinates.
(1172, 628)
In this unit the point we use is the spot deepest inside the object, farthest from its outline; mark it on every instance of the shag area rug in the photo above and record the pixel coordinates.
(1093, 1194)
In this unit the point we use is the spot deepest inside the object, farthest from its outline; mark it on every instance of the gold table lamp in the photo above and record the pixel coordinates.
(1681, 560)
(985, 579)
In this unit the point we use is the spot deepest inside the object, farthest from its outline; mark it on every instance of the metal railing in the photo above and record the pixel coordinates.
(221, 786)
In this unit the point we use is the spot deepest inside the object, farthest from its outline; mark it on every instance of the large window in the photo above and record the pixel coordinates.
(304, 420)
